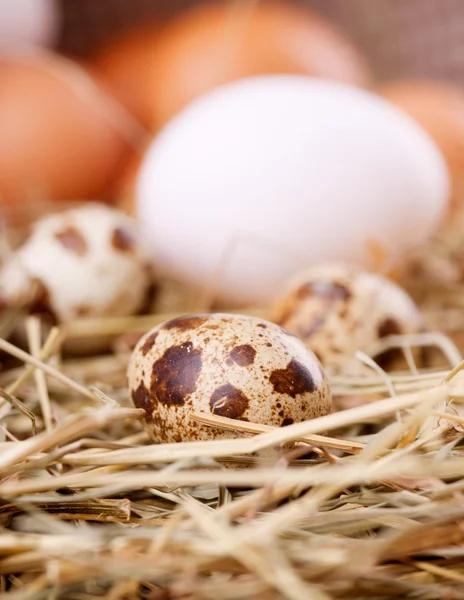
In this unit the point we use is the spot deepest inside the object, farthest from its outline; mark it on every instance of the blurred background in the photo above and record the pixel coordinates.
(251, 182)
(400, 37)
(132, 65)
(86, 86)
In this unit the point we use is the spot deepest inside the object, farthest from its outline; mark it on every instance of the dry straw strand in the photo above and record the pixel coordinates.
(92, 499)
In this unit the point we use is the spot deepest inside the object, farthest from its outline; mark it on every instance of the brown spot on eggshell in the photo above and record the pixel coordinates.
(148, 343)
(243, 355)
(228, 401)
(122, 239)
(287, 421)
(71, 239)
(262, 325)
(175, 374)
(142, 398)
(295, 379)
(388, 327)
(185, 323)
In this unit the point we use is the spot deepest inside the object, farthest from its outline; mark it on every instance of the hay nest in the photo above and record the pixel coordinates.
(366, 503)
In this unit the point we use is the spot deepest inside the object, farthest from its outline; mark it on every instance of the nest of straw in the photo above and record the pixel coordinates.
(366, 502)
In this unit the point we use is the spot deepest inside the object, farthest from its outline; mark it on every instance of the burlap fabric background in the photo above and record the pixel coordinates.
(399, 37)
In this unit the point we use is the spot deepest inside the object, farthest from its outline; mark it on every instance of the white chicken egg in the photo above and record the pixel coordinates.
(28, 22)
(265, 176)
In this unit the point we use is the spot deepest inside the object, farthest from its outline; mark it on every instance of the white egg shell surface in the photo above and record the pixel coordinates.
(16, 288)
(234, 366)
(338, 309)
(28, 22)
(87, 262)
(271, 173)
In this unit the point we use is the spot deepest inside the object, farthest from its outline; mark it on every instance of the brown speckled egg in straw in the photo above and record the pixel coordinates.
(83, 262)
(235, 366)
(338, 309)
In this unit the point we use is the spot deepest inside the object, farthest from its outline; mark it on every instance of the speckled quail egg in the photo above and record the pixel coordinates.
(85, 262)
(234, 366)
(338, 309)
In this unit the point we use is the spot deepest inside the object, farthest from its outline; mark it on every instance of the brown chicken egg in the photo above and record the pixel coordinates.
(59, 136)
(233, 366)
(213, 43)
(439, 108)
(124, 66)
(338, 309)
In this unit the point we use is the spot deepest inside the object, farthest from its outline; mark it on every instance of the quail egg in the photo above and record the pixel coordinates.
(338, 309)
(234, 366)
(85, 262)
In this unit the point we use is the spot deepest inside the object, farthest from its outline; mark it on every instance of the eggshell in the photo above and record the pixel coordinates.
(234, 366)
(26, 22)
(87, 262)
(338, 309)
(125, 66)
(266, 176)
(58, 138)
(439, 108)
(213, 43)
